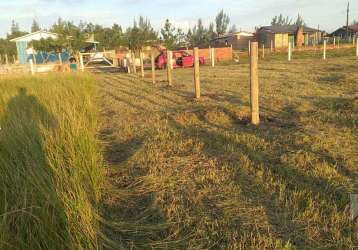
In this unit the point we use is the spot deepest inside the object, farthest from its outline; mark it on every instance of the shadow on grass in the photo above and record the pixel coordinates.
(27, 178)
(219, 142)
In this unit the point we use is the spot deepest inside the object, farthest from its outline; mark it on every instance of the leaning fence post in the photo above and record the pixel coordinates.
(197, 73)
(289, 52)
(153, 66)
(81, 63)
(324, 49)
(212, 57)
(254, 84)
(32, 67)
(169, 67)
(142, 64)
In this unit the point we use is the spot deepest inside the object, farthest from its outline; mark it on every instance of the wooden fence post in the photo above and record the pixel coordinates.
(263, 50)
(334, 42)
(134, 63)
(153, 66)
(6, 59)
(254, 84)
(127, 64)
(197, 73)
(289, 52)
(169, 67)
(34, 58)
(271, 49)
(142, 64)
(32, 67)
(81, 63)
(60, 58)
(324, 49)
(212, 52)
(357, 46)
(249, 47)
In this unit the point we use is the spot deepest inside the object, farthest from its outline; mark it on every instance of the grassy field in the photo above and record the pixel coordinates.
(182, 173)
(50, 163)
(187, 174)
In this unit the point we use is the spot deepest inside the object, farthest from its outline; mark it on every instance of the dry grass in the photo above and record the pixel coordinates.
(195, 175)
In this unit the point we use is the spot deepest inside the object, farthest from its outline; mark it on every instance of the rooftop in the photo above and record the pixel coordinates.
(287, 29)
(35, 36)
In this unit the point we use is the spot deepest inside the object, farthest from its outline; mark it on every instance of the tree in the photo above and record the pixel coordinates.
(35, 26)
(233, 29)
(169, 35)
(211, 32)
(222, 23)
(138, 36)
(200, 35)
(281, 20)
(72, 37)
(299, 21)
(7, 47)
(14, 27)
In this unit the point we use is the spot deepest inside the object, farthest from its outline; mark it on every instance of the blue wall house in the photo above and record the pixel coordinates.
(25, 52)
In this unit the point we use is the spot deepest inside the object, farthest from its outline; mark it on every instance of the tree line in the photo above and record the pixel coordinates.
(141, 33)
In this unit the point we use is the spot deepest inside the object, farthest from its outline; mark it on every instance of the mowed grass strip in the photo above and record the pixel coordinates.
(189, 174)
(50, 163)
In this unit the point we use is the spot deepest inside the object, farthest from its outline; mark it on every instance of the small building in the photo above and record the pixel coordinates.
(342, 32)
(22, 43)
(238, 40)
(281, 36)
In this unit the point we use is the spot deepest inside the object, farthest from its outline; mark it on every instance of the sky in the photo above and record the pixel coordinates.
(245, 14)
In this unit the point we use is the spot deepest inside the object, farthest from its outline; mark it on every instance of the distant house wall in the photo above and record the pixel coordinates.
(281, 40)
(221, 54)
(21, 52)
(238, 41)
(22, 43)
(278, 40)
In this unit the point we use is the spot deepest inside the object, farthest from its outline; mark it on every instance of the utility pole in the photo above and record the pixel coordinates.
(347, 21)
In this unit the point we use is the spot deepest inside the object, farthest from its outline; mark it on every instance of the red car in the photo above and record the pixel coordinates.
(181, 59)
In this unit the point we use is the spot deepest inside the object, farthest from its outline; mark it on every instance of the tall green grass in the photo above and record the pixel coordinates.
(50, 164)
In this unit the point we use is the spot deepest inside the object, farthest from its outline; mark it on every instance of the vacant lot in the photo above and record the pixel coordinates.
(195, 174)
(181, 173)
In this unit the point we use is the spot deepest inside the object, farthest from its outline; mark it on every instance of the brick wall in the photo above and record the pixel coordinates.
(221, 54)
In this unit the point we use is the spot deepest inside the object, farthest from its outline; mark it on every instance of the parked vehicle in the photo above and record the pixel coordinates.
(181, 59)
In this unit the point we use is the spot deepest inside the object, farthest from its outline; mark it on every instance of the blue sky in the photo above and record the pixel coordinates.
(245, 14)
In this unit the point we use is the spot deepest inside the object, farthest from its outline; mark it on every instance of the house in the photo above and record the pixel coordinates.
(238, 40)
(23, 42)
(281, 36)
(342, 32)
